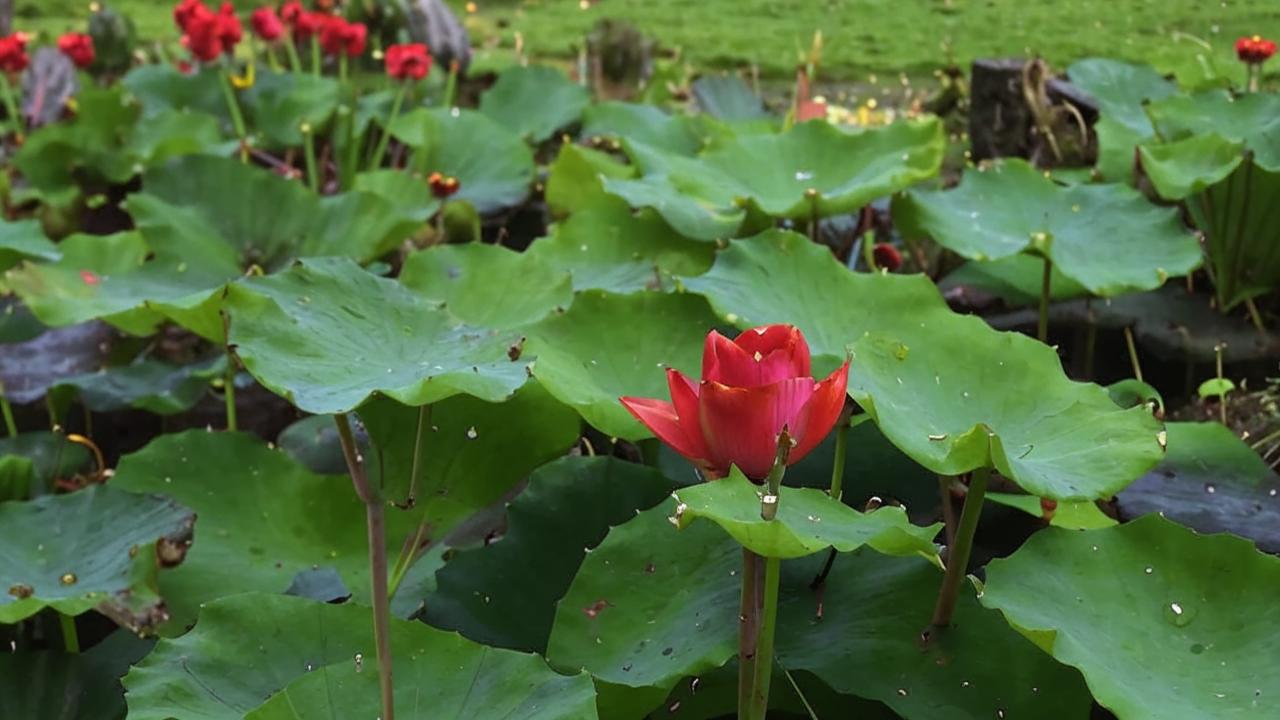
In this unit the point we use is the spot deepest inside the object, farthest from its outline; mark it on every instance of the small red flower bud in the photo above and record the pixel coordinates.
(1255, 50)
(408, 62)
(887, 256)
(1048, 508)
(443, 186)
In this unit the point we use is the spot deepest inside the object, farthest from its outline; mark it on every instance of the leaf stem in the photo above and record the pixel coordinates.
(70, 640)
(451, 86)
(9, 423)
(309, 154)
(748, 630)
(958, 557)
(837, 465)
(374, 515)
(381, 150)
(237, 118)
(229, 375)
(1255, 317)
(1133, 353)
(11, 105)
(315, 56)
(764, 643)
(291, 50)
(1046, 279)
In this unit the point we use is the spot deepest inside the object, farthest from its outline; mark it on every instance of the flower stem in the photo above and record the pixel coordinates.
(342, 68)
(309, 153)
(381, 150)
(291, 50)
(315, 56)
(237, 119)
(837, 466)
(764, 643)
(9, 423)
(1133, 353)
(377, 561)
(70, 640)
(229, 375)
(11, 105)
(869, 250)
(958, 557)
(1046, 280)
(748, 631)
(451, 86)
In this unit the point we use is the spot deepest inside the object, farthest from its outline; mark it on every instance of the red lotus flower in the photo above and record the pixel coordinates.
(291, 11)
(886, 256)
(411, 61)
(209, 35)
(13, 53)
(443, 186)
(230, 32)
(266, 24)
(339, 37)
(308, 24)
(188, 12)
(752, 387)
(1255, 50)
(78, 47)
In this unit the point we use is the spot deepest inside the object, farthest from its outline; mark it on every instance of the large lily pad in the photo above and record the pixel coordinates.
(874, 608)
(808, 521)
(279, 103)
(248, 648)
(534, 101)
(263, 517)
(812, 170)
(648, 124)
(1015, 279)
(152, 385)
(575, 181)
(1121, 89)
(327, 335)
(1163, 623)
(1210, 481)
(783, 277)
(607, 247)
(1252, 119)
(488, 285)
(24, 240)
(982, 398)
(651, 605)
(97, 548)
(587, 359)
(493, 165)
(505, 593)
(1106, 237)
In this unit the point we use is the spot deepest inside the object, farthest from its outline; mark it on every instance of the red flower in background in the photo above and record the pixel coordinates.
(339, 37)
(13, 53)
(229, 31)
(266, 24)
(78, 47)
(305, 24)
(291, 11)
(443, 186)
(188, 12)
(205, 33)
(752, 387)
(886, 256)
(408, 62)
(1255, 50)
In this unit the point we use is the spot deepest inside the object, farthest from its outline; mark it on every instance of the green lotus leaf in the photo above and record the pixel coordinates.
(1120, 89)
(24, 240)
(279, 103)
(488, 285)
(648, 124)
(31, 461)
(52, 685)
(783, 277)
(812, 170)
(982, 398)
(409, 194)
(1252, 119)
(493, 165)
(1189, 166)
(867, 643)
(728, 97)
(1016, 279)
(575, 179)
(1076, 515)
(473, 452)
(651, 605)
(808, 521)
(160, 87)
(269, 518)
(1108, 238)
(254, 655)
(1150, 613)
(608, 247)
(588, 359)
(326, 335)
(1210, 481)
(152, 385)
(99, 548)
(534, 101)
(505, 593)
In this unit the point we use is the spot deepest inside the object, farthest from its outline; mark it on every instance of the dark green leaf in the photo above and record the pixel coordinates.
(534, 101)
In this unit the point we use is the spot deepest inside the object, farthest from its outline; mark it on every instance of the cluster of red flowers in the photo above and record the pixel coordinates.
(78, 47)
(266, 24)
(13, 53)
(337, 36)
(408, 62)
(1255, 50)
(205, 33)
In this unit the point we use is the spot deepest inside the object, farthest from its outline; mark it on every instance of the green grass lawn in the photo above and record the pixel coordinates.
(862, 37)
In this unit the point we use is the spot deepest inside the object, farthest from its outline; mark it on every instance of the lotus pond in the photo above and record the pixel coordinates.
(345, 374)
